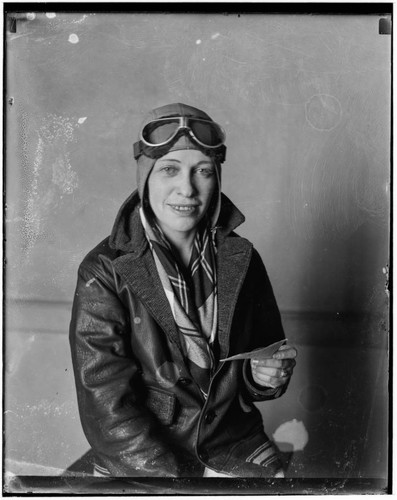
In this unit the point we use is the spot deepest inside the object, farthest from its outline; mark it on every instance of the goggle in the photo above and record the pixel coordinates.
(162, 131)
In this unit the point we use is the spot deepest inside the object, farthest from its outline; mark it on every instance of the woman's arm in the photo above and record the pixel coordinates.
(268, 378)
(121, 431)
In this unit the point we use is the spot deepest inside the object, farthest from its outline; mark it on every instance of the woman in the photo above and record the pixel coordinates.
(161, 303)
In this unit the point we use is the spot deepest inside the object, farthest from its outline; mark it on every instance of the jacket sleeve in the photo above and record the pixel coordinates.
(122, 432)
(267, 326)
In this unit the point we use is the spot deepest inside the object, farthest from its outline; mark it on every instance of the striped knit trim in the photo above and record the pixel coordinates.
(264, 455)
(101, 471)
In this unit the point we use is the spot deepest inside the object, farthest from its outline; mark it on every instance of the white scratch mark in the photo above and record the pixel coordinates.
(19, 36)
(235, 60)
(82, 119)
(215, 36)
(51, 15)
(14, 219)
(15, 468)
(30, 16)
(46, 408)
(63, 176)
(10, 411)
(51, 158)
(73, 38)
(15, 358)
(31, 218)
(293, 433)
(386, 273)
(78, 21)
(323, 112)
(89, 282)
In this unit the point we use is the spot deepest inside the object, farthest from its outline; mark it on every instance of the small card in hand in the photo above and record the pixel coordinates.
(261, 353)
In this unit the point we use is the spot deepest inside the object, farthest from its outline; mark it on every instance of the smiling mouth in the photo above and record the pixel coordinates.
(184, 208)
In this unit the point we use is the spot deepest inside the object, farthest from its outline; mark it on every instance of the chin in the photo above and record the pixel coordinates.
(184, 225)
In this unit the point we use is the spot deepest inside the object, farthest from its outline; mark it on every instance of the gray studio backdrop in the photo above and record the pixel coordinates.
(305, 101)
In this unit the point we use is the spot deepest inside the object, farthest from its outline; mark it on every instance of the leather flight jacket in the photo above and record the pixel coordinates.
(141, 410)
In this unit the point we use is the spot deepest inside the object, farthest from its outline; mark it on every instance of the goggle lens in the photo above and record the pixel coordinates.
(209, 133)
(159, 132)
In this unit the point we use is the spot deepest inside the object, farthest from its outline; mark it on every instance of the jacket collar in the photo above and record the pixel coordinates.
(128, 234)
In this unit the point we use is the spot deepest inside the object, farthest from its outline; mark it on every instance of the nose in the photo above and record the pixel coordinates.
(186, 185)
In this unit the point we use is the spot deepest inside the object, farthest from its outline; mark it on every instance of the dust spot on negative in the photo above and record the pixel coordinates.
(292, 434)
(73, 38)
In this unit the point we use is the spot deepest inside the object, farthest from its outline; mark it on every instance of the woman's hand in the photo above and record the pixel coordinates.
(276, 371)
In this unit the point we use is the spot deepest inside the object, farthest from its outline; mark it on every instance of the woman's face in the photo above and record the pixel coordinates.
(181, 185)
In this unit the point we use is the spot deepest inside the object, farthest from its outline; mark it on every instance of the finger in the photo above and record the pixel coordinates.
(270, 372)
(287, 350)
(274, 363)
(284, 372)
(287, 353)
(268, 380)
(270, 362)
(273, 377)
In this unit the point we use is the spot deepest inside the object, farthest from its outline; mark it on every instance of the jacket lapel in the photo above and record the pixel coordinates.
(233, 259)
(141, 275)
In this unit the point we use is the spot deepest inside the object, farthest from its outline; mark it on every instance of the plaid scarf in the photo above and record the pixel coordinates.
(192, 296)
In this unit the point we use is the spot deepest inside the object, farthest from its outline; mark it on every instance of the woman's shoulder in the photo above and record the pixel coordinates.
(98, 255)
(256, 259)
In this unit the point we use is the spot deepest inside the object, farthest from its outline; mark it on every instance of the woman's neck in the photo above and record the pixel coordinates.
(183, 244)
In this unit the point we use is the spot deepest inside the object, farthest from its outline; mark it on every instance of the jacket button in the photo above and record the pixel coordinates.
(203, 455)
(209, 417)
(185, 381)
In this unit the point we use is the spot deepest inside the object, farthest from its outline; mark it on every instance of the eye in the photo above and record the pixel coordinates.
(169, 169)
(206, 171)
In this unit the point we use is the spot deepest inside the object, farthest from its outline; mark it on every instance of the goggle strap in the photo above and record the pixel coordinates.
(137, 149)
(140, 148)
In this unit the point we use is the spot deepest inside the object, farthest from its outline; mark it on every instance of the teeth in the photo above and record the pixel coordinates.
(183, 208)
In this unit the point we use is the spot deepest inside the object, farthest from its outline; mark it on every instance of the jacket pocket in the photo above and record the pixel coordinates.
(162, 404)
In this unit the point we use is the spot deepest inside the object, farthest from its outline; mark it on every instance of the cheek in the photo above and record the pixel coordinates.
(155, 192)
(209, 190)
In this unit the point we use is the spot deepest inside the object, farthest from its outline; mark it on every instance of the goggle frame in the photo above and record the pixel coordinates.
(183, 125)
